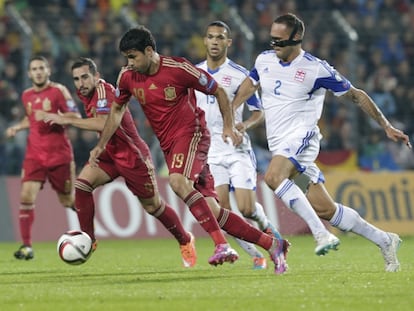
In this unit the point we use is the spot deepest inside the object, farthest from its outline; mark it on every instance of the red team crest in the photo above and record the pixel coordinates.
(300, 75)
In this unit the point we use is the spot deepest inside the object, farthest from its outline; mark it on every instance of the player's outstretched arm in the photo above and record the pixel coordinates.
(112, 123)
(92, 124)
(363, 100)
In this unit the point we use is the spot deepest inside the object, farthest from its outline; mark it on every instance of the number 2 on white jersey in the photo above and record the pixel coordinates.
(278, 85)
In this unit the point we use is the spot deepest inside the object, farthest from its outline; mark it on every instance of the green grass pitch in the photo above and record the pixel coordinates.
(147, 275)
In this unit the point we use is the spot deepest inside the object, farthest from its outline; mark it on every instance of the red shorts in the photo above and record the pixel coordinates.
(140, 178)
(188, 157)
(61, 177)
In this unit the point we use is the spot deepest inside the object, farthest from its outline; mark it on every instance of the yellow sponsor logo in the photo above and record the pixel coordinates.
(384, 199)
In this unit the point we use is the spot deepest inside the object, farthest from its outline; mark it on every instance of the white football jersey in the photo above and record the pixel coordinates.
(293, 94)
(229, 75)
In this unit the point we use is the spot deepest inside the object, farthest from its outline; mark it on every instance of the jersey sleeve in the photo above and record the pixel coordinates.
(197, 78)
(106, 95)
(122, 93)
(66, 102)
(254, 103)
(254, 76)
(330, 79)
(206, 83)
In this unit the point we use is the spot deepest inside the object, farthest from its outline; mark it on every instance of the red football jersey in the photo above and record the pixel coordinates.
(125, 144)
(167, 97)
(48, 144)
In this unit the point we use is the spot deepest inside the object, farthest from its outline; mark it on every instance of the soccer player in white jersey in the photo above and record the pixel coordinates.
(293, 84)
(232, 167)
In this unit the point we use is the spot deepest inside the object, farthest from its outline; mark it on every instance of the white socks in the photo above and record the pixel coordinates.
(296, 200)
(260, 217)
(347, 219)
(249, 248)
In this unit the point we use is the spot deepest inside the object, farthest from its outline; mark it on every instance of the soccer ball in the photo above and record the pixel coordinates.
(74, 247)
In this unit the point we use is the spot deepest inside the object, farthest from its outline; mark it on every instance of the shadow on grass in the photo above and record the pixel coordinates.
(136, 276)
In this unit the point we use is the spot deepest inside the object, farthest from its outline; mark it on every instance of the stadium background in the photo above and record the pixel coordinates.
(369, 41)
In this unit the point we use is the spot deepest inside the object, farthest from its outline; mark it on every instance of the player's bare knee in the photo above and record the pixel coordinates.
(247, 212)
(273, 181)
(150, 208)
(153, 206)
(27, 197)
(180, 184)
(67, 200)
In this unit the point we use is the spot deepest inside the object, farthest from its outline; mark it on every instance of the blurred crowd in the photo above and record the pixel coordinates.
(380, 60)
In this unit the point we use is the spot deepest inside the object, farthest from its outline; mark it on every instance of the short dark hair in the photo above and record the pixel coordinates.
(291, 21)
(41, 58)
(85, 61)
(137, 38)
(220, 24)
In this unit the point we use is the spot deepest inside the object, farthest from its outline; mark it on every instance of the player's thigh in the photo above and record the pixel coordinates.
(220, 171)
(188, 158)
(245, 199)
(140, 179)
(301, 148)
(223, 195)
(188, 155)
(98, 175)
(242, 171)
(61, 177)
(29, 191)
(33, 171)
(205, 183)
(33, 177)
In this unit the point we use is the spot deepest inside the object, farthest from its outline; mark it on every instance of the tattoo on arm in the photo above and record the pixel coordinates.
(365, 102)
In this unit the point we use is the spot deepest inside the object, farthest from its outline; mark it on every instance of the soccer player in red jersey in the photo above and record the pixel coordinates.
(164, 86)
(126, 155)
(49, 154)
